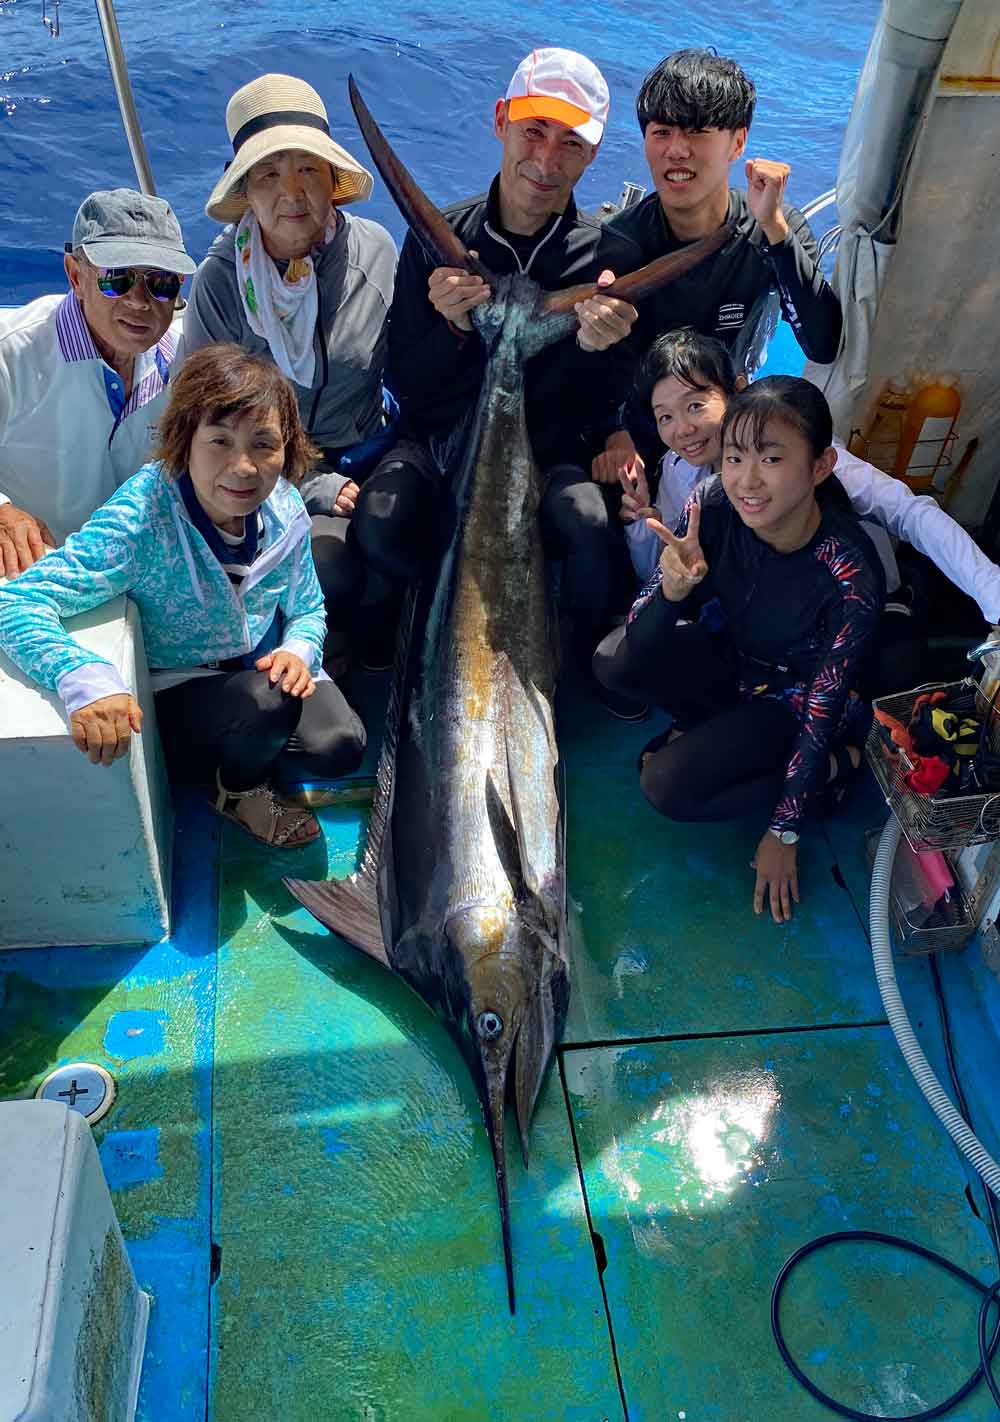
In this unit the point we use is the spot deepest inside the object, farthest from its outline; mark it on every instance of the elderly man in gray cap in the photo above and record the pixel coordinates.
(83, 376)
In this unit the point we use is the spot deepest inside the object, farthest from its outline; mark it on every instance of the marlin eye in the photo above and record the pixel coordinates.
(490, 1025)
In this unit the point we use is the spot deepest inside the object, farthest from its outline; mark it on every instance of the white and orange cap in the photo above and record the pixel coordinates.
(562, 85)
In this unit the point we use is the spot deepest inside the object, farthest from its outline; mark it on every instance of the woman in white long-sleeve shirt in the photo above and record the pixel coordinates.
(689, 380)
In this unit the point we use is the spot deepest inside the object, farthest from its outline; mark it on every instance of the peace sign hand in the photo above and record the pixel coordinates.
(636, 503)
(682, 563)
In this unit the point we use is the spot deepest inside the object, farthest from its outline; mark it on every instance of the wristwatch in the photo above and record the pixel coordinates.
(786, 836)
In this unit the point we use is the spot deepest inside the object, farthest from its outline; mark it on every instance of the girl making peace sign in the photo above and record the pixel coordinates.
(765, 711)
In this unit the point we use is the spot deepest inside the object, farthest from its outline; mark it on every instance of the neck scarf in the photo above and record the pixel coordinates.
(282, 309)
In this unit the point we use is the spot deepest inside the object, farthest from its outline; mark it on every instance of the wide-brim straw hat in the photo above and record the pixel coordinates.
(268, 115)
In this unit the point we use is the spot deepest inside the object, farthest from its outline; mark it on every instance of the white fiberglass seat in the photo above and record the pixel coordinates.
(84, 849)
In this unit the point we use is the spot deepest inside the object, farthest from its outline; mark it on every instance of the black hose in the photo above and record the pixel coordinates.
(895, 1242)
(990, 1294)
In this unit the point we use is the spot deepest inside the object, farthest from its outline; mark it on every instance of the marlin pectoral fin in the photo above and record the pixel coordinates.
(536, 823)
(348, 907)
(424, 219)
(635, 285)
(535, 1041)
(504, 836)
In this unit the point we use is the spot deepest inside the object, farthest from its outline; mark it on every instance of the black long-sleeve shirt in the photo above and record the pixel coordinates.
(436, 371)
(800, 622)
(717, 296)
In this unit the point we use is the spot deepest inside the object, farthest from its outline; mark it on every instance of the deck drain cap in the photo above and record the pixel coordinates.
(82, 1086)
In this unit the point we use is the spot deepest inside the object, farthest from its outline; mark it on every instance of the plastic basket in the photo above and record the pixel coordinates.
(934, 821)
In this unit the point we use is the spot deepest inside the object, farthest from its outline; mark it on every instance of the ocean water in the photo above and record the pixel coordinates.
(431, 74)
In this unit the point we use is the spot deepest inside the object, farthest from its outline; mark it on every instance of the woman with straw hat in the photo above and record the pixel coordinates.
(295, 277)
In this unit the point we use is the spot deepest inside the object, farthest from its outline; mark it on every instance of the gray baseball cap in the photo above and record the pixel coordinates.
(123, 228)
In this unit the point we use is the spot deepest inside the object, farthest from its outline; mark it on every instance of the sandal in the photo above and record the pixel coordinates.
(263, 816)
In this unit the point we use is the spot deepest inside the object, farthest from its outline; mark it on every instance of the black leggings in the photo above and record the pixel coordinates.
(581, 527)
(726, 768)
(404, 514)
(693, 678)
(360, 605)
(732, 758)
(897, 657)
(339, 569)
(896, 661)
(248, 731)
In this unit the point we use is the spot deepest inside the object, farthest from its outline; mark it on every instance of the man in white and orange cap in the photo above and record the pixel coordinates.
(550, 125)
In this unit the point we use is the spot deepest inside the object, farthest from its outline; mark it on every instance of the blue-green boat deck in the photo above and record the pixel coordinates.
(299, 1165)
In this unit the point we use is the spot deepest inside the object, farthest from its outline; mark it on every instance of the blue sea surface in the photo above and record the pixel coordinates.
(430, 73)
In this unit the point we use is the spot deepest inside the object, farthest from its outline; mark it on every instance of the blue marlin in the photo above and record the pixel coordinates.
(461, 890)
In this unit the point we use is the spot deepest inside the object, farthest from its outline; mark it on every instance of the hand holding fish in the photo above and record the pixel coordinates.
(682, 563)
(453, 292)
(765, 189)
(604, 320)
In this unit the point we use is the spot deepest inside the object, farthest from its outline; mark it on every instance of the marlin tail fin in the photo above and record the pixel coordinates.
(425, 220)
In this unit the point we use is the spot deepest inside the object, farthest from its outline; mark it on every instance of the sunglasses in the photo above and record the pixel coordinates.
(116, 281)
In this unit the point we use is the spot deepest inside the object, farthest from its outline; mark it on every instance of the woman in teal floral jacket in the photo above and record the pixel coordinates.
(212, 544)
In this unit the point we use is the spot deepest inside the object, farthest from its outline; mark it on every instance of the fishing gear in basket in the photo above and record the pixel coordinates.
(945, 741)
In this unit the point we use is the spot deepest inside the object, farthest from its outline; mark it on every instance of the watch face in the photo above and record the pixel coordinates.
(789, 837)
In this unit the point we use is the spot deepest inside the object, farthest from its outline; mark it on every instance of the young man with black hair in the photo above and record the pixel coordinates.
(695, 109)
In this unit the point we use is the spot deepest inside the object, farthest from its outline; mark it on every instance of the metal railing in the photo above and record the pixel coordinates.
(830, 239)
(817, 204)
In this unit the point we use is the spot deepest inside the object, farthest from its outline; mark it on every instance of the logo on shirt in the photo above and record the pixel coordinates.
(731, 315)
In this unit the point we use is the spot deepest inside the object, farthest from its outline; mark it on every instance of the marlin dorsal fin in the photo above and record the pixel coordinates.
(348, 907)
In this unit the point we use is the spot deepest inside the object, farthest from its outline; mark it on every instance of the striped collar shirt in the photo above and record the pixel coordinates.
(152, 368)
